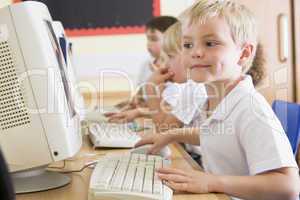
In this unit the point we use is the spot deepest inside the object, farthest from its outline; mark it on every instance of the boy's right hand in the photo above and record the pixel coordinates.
(158, 141)
(160, 76)
(123, 117)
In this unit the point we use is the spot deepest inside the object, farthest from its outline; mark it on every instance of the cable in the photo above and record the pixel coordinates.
(86, 155)
(64, 165)
(79, 170)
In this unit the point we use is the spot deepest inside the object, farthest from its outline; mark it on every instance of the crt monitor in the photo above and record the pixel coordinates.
(38, 122)
(65, 45)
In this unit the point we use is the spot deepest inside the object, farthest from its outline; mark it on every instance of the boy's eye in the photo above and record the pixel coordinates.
(153, 39)
(187, 45)
(211, 43)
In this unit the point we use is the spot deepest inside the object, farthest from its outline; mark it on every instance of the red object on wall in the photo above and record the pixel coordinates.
(112, 30)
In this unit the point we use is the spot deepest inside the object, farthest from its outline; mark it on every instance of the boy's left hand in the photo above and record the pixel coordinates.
(160, 76)
(191, 181)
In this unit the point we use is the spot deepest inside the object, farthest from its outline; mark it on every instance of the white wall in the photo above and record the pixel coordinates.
(4, 3)
(117, 52)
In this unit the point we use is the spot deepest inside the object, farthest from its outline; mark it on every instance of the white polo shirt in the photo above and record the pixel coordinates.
(243, 136)
(199, 118)
(144, 73)
(186, 99)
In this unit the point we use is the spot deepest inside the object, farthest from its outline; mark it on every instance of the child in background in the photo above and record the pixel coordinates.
(246, 153)
(179, 104)
(257, 69)
(184, 100)
(134, 108)
(155, 29)
(154, 32)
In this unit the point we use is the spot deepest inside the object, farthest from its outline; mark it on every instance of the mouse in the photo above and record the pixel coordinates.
(164, 152)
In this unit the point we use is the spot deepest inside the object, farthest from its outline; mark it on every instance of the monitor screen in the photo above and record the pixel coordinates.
(63, 72)
(63, 46)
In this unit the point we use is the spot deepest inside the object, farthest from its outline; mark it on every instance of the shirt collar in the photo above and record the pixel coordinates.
(243, 88)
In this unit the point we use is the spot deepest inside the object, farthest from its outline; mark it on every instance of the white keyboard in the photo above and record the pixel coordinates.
(112, 135)
(128, 177)
(97, 113)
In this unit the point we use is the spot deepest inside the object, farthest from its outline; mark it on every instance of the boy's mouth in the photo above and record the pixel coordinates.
(199, 66)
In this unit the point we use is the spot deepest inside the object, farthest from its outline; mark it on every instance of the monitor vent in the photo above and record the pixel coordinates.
(13, 111)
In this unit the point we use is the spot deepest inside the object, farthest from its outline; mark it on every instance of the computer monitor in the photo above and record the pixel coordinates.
(66, 46)
(38, 122)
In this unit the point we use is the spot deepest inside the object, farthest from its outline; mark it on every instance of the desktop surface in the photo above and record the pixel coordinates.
(78, 188)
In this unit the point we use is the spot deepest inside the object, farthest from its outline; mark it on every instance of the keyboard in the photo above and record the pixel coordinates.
(128, 177)
(112, 135)
(97, 113)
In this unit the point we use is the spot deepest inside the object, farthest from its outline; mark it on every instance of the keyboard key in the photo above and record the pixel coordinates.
(139, 179)
(106, 177)
(119, 176)
(148, 180)
(151, 158)
(157, 187)
(134, 158)
(128, 183)
(142, 157)
(158, 164)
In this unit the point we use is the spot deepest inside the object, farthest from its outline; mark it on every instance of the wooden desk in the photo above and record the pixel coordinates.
(78, 188)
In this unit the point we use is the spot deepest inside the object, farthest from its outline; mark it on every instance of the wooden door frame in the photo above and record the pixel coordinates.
(296, 46)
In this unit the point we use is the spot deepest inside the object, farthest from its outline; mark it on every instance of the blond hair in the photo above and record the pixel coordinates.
(172, 36)
(172, 39)
(240, 20)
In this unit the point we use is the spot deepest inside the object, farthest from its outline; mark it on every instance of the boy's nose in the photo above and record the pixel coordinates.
(197, 53)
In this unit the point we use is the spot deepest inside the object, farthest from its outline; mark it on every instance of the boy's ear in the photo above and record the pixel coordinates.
(247, 52)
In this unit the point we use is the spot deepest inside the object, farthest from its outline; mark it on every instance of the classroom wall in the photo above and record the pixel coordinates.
(122, 54)
(4, 2)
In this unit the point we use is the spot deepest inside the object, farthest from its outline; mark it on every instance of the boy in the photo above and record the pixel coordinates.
(155, 29)
(246, 153)
(186, 101)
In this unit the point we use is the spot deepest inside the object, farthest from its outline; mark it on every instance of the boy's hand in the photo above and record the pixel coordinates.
(158, 140)
(136, 101)
(122, 117)
(160, 76)
(187, 181)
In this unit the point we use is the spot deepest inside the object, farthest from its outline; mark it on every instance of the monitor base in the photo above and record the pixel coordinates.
(38, 180)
